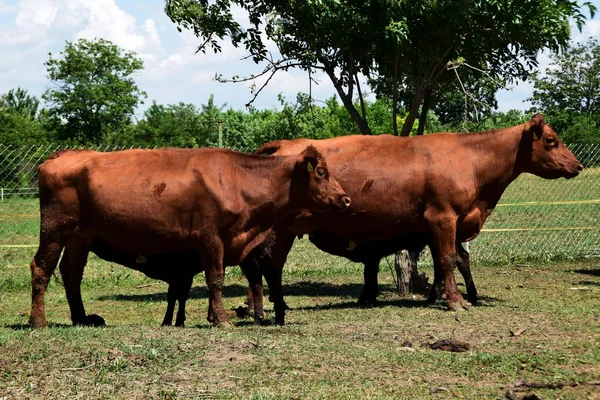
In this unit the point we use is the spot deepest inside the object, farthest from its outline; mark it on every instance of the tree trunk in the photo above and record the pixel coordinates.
(405, 264)
(414, 110)
(361, 123)
(424, 111)
(395, 93)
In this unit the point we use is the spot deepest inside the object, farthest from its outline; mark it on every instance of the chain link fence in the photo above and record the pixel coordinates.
(536, 219)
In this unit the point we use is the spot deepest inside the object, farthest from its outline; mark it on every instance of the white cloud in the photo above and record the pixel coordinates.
(150, 27)
(35, 12)
(6, 8)
(106, 20)
(591, 29)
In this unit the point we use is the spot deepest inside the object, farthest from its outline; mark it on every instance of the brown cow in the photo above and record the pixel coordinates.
(217, 202)
(441, 186)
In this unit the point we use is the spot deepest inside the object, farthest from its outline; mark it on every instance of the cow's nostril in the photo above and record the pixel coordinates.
(580, 168)
(347, 201)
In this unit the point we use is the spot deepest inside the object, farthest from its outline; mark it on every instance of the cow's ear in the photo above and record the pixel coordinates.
(310, 158)
(536, 125)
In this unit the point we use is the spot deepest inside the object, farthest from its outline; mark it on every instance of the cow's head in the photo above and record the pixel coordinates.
(550, 158)
(312, 185)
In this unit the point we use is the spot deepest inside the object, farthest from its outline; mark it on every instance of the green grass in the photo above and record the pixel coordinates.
(330, 348)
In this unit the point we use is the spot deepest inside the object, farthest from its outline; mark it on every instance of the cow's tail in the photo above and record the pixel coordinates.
(269, 148)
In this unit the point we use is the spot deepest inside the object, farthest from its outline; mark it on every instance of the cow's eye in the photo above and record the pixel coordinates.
(321, 172)
(551, 141)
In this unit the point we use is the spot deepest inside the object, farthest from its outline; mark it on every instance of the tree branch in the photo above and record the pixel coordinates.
(361, 99)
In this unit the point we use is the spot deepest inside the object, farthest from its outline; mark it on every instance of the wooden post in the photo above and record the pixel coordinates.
(405, 264)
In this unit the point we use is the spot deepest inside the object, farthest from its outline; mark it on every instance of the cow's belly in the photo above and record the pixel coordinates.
(359, 227)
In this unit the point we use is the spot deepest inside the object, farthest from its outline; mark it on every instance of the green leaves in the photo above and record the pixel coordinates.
(569, 90)
(93, 90)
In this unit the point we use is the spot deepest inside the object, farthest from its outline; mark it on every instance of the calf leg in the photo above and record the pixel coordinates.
(371, 288)
(42, 266)
(71, 268)
(185, 285)
(464, 266)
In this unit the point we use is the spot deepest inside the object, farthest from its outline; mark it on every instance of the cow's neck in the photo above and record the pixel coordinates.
(500, 158)
(267, 202)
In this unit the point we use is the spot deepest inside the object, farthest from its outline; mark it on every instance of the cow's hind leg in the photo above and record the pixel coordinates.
(171, 299)
(443, 249)
(273, 267)
(42, 266)
(71, 268)
(464, 266)
(183, 293)
(255, 297)
(437, 286)
(371, 288)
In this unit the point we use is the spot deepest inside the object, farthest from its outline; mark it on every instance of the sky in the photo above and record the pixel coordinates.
(173, 72)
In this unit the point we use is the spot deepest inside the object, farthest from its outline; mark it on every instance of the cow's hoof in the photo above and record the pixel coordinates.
(466, 305)
(473, 300)
(224, 325)
(38, 322)
(455, 306)
(259, 320)
(92, 320)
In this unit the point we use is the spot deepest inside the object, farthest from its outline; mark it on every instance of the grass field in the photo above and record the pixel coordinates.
(329, 349)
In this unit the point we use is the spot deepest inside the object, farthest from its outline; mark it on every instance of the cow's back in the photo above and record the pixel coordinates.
(390, 179)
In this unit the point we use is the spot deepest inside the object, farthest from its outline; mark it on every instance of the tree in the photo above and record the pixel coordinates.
(415, 44)
(18, 101)
(20, 121)
(93, 90)
(569, 91)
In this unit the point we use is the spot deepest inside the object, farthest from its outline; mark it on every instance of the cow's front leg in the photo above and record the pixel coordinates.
(214, 280)
(443, 249)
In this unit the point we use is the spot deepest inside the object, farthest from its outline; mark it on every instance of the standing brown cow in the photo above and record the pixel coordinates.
(217, 202)
(439, 188)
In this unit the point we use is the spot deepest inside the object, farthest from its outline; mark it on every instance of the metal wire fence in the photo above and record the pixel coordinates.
(536, 219)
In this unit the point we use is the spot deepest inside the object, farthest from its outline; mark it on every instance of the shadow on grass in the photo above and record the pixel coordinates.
(403, 303)
(23, 327)
(588, 283)
(319, 289)
(197, 292)
(592, 272)
(308, 289)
